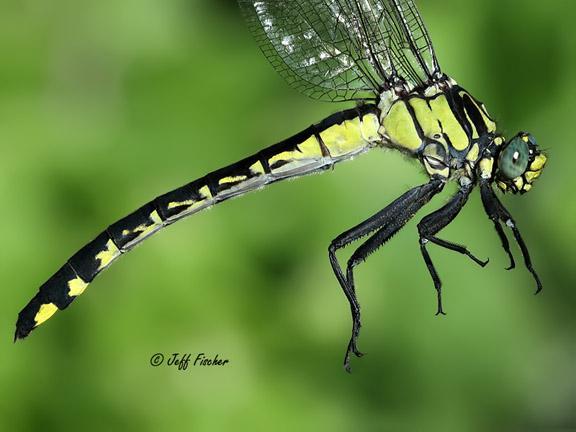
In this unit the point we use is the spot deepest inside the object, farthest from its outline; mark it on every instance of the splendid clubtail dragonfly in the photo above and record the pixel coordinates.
(379, 54)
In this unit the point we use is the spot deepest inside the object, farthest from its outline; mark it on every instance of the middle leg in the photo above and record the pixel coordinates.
(430, 225)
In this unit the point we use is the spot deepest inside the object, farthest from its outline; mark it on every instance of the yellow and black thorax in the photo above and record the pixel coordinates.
(445, 128)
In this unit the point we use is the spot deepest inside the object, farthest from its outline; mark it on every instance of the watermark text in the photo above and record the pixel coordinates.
(182, 361)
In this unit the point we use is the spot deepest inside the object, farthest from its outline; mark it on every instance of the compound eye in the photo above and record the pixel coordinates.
(514, 158)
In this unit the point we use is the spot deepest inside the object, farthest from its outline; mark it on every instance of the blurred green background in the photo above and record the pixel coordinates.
(106, 104)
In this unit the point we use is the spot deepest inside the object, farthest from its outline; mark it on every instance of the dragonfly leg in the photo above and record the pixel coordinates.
(505, 243)
(497, 212)
(387, 222)
(435, 222)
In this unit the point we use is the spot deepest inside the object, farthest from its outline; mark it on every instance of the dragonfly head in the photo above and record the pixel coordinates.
(519, 163)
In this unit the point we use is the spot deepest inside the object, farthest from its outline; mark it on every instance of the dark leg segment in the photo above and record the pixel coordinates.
(386, 222)
(435, 222)
(505, 244)
(497, 212)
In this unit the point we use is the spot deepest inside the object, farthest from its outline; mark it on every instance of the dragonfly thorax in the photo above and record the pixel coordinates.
(443, 126)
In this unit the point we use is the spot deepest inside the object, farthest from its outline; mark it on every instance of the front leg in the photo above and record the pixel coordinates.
(435, 222)
(497, 212)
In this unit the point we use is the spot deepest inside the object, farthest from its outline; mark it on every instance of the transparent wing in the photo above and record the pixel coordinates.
(343, 49)
(411, 44)
(314, 46)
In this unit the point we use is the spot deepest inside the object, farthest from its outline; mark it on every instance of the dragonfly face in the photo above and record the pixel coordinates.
(519, 164)
(378, 54)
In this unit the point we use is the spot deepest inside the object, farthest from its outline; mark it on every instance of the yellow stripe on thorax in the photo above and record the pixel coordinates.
(399, 126)
(473, 153)
(426, 119)
(443, 113)
(434, 118)
(490, 124)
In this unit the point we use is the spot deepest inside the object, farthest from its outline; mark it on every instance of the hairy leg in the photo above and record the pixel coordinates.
(386, 222)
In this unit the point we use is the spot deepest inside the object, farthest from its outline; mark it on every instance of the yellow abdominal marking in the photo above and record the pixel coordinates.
(145, 229)
(343, 139)
(234, 179)
(204, 191)
(257, 168)
(171, 205)
(45, 312)
(311, 147)
(76, 286)
(519, 182)
(107, 255)
(369, 128)
(285, 156)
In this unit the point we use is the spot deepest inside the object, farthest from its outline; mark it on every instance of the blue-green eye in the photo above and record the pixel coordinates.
(514, 158)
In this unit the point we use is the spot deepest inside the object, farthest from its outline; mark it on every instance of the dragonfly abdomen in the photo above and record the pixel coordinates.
(339, 137)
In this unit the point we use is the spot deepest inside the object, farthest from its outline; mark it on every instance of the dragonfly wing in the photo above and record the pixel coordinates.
(341, 50)
(396, 36)
(315, 46)
(411, 45)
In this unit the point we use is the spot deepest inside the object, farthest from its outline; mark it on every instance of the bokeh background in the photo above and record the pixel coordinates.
(106, 104)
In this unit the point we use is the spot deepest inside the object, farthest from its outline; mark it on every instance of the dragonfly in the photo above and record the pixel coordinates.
(377, 55)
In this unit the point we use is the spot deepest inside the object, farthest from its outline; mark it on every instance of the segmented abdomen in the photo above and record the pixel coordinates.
(337, 138)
